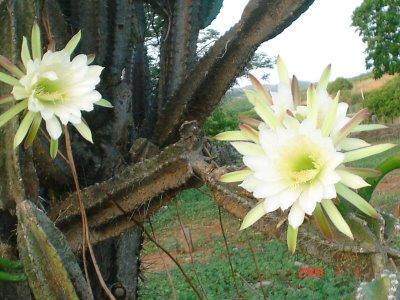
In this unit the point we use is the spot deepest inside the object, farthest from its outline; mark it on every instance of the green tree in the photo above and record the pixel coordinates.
(378, 23)
(384, 102)
(339, 84)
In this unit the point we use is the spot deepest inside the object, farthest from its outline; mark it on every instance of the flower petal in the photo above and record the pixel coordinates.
(368, 127)
(356, 200)
(73, 42)
(33, 131)
(10, 67)
(367, 151)
(261, 91)
(19, 92)
(36, 42)
(262, 109)
(330, 118)
(53, 128)
(247, 148)
(271, 205)
(234, 135)
(23, 128)
(350, 125)
(12, 112)
(84, 130)
(282, 72)
(363, 172)
(236, 176)
(309, 198)
(329, 192)
(287, 197)
(336, 218)
(322, 222)
(25, 53)
(296, 91)
(349, 144)
(104, 103)
(351, 180)
(53, 148)
(323, 81)
(269, 189)
(250, 183)
(253, 216)
(291, 237)
(8, 79)
(296, 215)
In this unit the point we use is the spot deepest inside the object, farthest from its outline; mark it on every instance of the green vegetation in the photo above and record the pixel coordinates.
(385, 102)
(278, 267)
(339, 84)
(220, 121)
(225, 117)
(361, 77)
(378, 24)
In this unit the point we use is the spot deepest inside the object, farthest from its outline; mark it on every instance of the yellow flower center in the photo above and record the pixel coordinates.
(301, 162)
(304, 168)
(49, 90)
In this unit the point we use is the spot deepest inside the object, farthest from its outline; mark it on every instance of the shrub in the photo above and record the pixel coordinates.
(339, 83)
(220, 121)
(385, 102)
(350, 98)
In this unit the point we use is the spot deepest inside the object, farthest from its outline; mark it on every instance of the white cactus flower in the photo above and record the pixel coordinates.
(59, 89)
(296, 169)
(295, 157)
(52, 87)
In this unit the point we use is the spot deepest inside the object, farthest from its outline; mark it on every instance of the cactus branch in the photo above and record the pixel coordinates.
(85, 228)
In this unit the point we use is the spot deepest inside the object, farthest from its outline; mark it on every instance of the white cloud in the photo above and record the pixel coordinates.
(322, 35)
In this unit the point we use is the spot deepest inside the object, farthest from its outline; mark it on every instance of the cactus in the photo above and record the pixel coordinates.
(49, 263)
(383, 287)
(387, 166)
(209, 10)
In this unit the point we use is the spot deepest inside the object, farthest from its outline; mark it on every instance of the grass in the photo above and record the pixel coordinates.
(236, 105)
(278, 267)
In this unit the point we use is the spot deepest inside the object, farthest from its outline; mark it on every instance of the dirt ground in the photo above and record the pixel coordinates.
(158, 260)
(370, 84)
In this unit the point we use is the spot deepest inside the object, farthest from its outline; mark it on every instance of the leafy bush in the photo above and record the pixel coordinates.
(220, 121)
(339, 83)
(350, 98)
(385, 102)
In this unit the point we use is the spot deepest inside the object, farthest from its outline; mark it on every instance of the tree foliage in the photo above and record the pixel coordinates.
(378, 23)
(385, 102)
(339, 84)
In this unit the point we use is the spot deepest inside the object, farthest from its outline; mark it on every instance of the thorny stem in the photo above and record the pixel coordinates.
(190, 252)
(228, 253)
(85, 227)
(137, 223)
(171, 282)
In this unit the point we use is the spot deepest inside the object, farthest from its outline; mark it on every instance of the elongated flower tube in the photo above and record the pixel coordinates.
(295, 156)
(52, 87)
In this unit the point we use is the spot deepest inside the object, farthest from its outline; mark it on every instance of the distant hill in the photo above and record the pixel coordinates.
(235, 93)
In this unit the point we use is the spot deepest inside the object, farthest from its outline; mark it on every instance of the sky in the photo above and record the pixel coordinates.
(322, 35)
